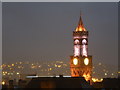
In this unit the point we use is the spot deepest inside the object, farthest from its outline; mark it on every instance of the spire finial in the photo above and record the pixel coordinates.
(80, 26)
(80, 13)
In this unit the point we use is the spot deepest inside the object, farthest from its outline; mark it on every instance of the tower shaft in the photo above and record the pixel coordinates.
(81, 62)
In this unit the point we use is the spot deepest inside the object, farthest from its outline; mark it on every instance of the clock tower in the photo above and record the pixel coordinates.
(81, 62)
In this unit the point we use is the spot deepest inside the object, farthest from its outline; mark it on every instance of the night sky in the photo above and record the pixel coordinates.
(43, 31)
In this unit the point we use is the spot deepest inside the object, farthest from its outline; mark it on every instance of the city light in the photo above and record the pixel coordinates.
(9, 66)
(20, 62)
(94, 80)
(0, 66)
(97, 80)
(17, 73)
(99, 64)
(59, 66)
(105, 74)
(49, 70)
(12, 64)
(39, 66)
(112, 74)
(3, 82)
(55, 65)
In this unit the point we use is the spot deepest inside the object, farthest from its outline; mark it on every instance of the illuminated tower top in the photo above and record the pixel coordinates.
(80, 36)
(80, 26)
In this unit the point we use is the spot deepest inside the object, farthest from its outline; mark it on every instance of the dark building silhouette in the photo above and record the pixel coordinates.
(58, 82)
(108, 83)
(22, 83)
(111, 82)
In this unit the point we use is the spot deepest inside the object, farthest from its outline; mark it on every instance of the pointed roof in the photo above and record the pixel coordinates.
(80, 26)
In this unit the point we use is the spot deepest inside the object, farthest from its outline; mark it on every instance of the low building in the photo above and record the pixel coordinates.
(58, 82)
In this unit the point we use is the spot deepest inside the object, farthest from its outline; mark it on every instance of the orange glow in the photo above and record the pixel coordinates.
(86, 76)
(80, 28)
(97, 80)
(3, 82)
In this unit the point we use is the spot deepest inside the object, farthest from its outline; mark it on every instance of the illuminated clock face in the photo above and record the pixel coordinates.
(86, 61)
(84, 41)
(75, 61)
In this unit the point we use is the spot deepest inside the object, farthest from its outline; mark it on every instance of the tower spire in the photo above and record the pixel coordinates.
(80, 26)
